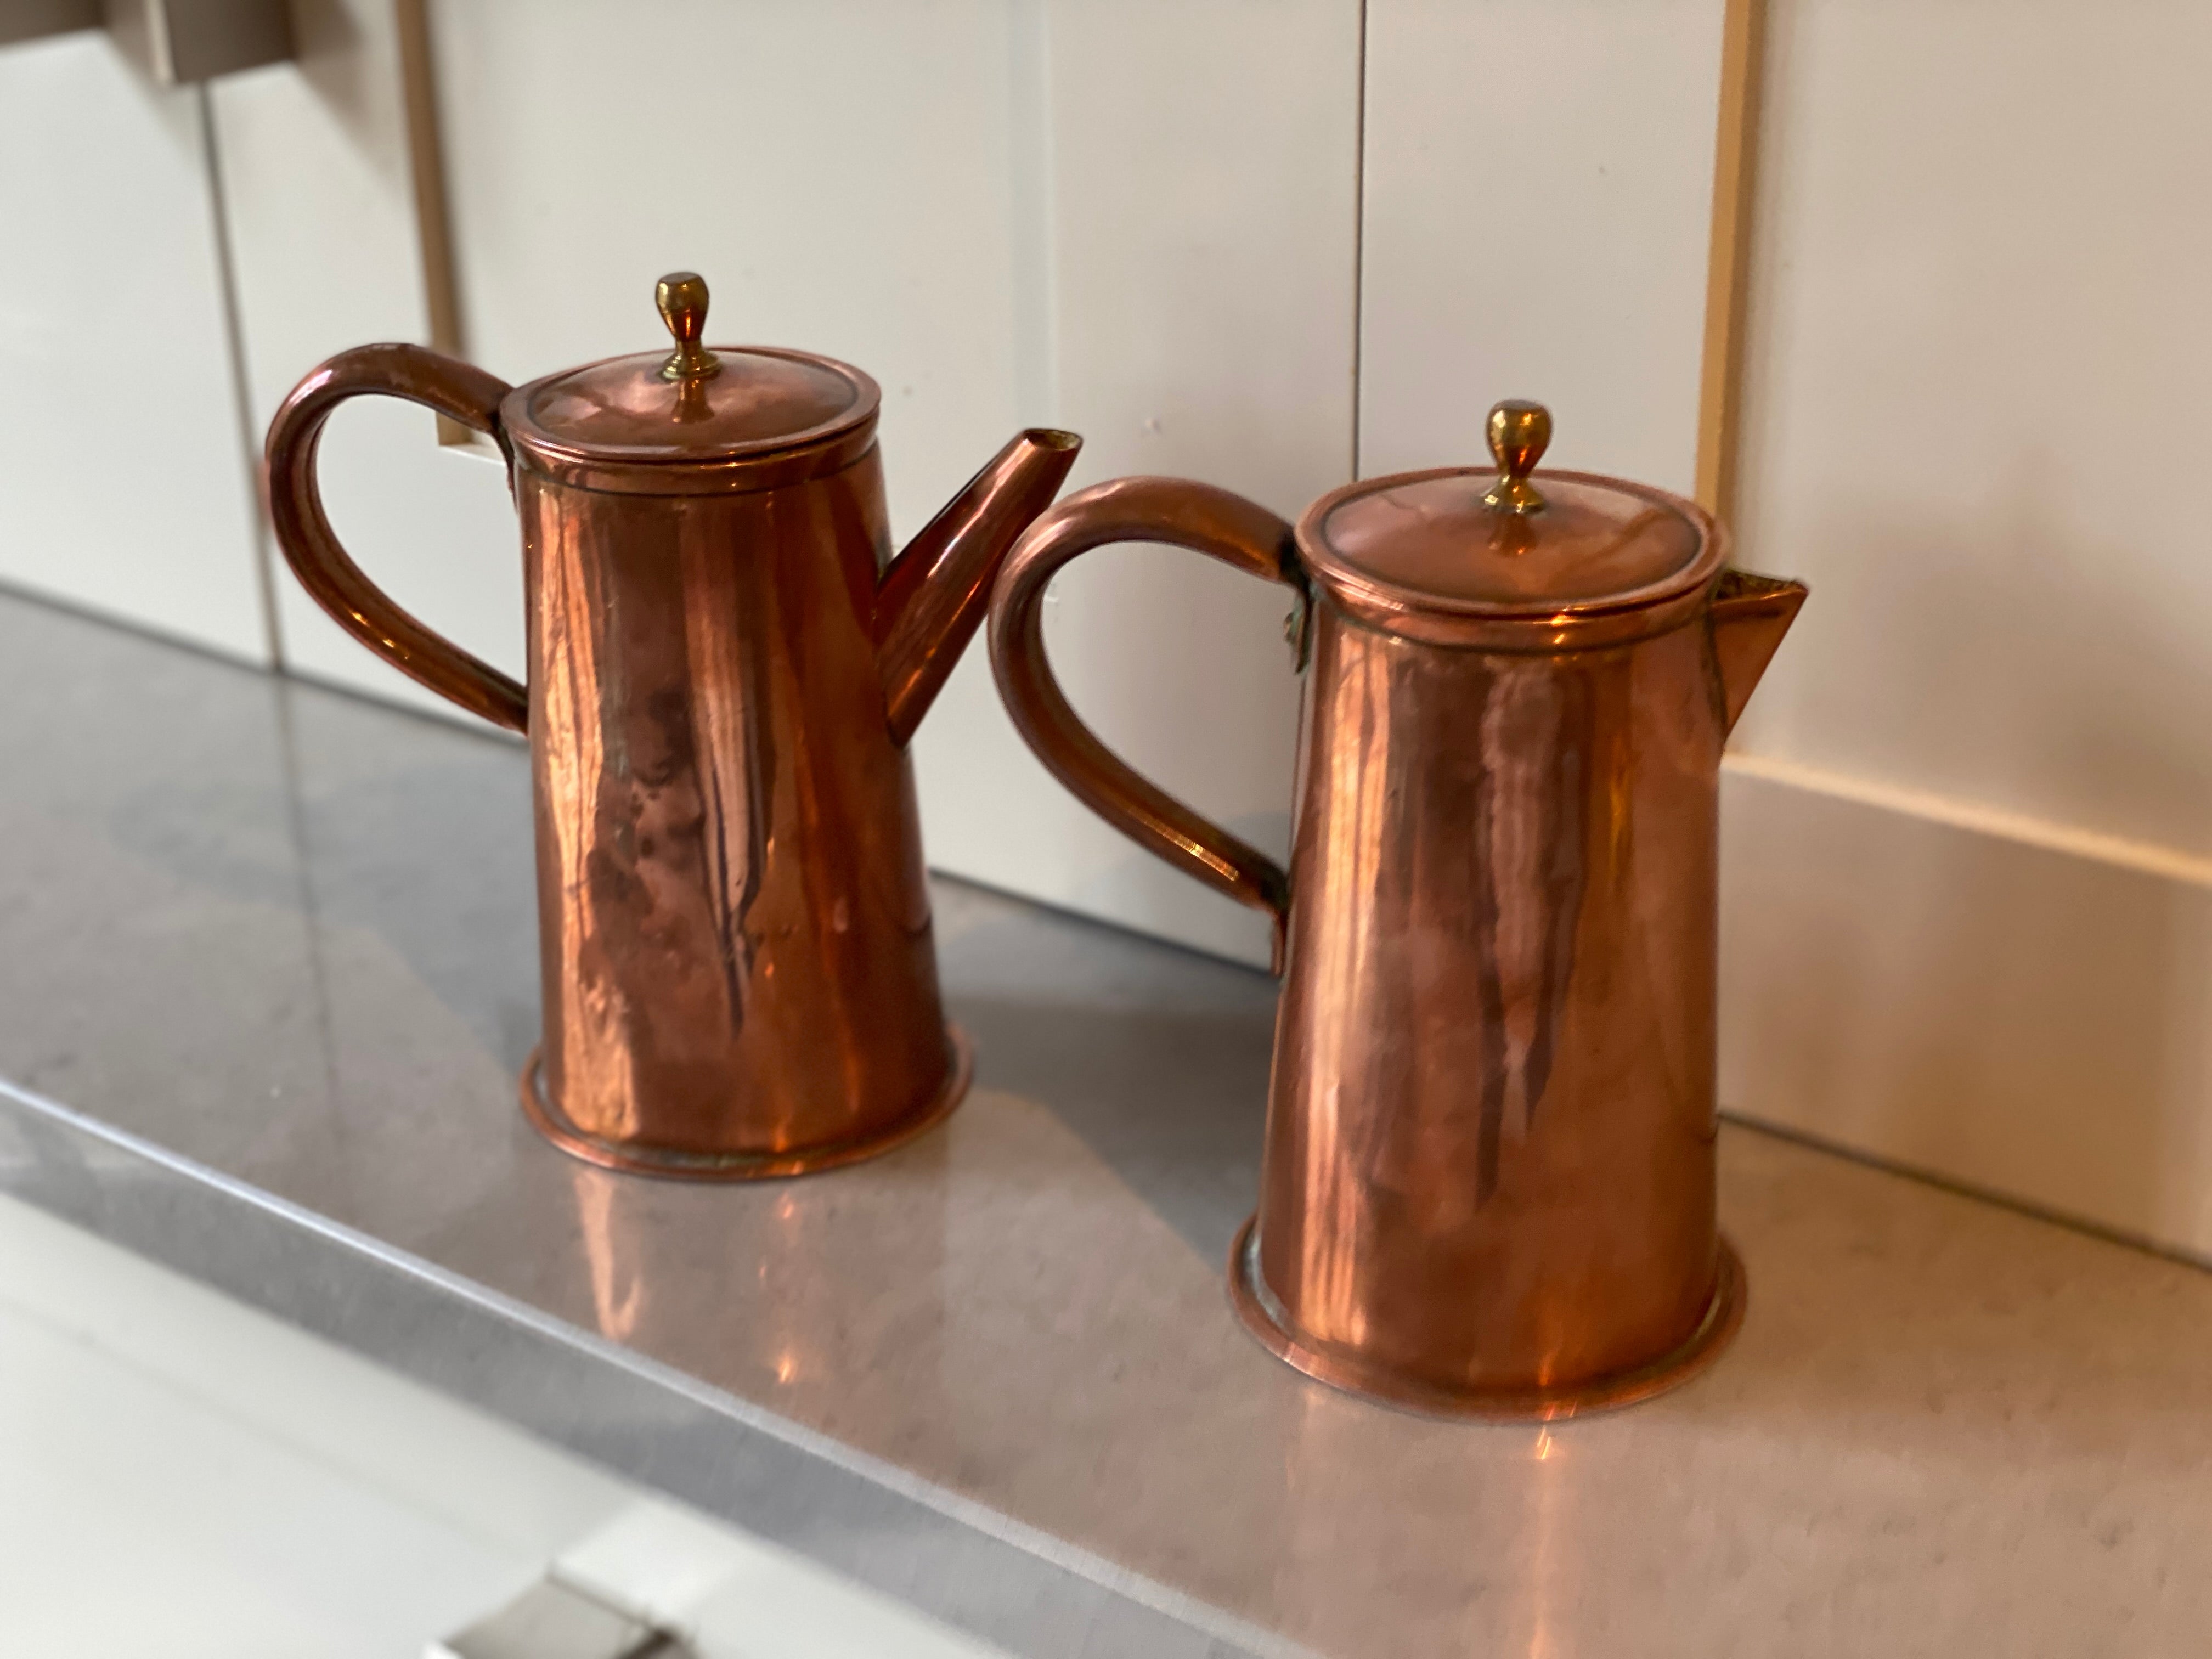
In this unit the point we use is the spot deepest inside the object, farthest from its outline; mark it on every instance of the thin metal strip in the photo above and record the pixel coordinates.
(426, 164)
(1720, 390)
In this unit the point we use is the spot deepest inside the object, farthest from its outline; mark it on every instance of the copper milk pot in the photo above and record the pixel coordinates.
(725, 666)
(1488, 1178)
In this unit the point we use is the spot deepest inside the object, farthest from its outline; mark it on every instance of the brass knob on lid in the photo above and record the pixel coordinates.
(1519, 433)
(682, 297)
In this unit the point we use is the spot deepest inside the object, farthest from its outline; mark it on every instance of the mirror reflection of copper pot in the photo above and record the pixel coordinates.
(1488, 1180)
(724, 665)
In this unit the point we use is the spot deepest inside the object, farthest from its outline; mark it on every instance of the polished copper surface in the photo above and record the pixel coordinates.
(1488, 1179)
(1348, 1370)
(676, 1163)
(1427, 541)
(692, 422)
(682, 298)
(1518, 432)
(1750, 616)
(456, 390)
(724, 665)
(756, 401)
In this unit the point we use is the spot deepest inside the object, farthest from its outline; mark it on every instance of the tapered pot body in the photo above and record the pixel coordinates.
(738, 971)
(1489, 1170)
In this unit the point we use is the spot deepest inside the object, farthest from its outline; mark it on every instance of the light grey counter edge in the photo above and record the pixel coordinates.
(945, 1555)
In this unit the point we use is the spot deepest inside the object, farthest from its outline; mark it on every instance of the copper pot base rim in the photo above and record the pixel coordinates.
(1723, 1316)
(669, 1165)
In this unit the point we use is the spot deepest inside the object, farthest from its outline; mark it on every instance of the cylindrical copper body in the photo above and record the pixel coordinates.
(1489, 1165)
(735, 928)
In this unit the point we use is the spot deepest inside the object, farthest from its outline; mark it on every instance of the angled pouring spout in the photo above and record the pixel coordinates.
(934, 596)
(1750, 615)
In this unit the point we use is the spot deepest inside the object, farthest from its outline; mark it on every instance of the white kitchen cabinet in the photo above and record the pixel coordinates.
(1974, 406)
(124, 486)
(315, 167)
(1201, 246)
(1971, 832)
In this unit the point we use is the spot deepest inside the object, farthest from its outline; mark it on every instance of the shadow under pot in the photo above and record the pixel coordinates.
(725, 666)
(1488, 1180)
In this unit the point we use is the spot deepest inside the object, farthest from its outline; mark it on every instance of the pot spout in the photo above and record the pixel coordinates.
(932, 597)
(1750, 615)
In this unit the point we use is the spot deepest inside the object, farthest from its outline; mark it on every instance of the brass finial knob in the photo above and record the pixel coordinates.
(682, 297)
(1519, 434)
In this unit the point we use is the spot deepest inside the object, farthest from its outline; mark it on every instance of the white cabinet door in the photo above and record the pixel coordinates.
(1976, 407)
(1970, 893)
(1199, 271)
(315, 168)
(124, 482)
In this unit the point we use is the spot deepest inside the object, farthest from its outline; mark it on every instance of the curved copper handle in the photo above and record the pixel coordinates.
(295, 512)
(1193, 515)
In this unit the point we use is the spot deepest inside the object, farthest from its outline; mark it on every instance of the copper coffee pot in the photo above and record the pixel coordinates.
(1488, 1178)
(725, 666)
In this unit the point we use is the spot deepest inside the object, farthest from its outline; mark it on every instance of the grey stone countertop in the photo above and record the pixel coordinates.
(267, 970)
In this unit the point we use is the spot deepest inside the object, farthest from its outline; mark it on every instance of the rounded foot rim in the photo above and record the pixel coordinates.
(1261, 1316)
(670, 1165)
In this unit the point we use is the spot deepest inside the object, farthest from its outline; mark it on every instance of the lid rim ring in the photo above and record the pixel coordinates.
(527, 432)
(741, 475)
(1373, 595)
(1581, 631)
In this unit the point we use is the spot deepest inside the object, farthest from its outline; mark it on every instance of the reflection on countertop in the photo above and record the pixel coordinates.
(288, 936)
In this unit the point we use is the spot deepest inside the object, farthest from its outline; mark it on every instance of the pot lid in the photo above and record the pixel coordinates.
(1508, 542)
(692, 406)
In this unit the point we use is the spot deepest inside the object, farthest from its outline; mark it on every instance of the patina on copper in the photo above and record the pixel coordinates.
(725, 666)
(1488, 1182)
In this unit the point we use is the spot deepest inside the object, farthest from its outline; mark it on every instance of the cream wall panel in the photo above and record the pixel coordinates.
(2018, 1017)
(315, 167)
(1200, 242)
(1538, 196)
(1974, 407)
(122, 483)
(1970, 908)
